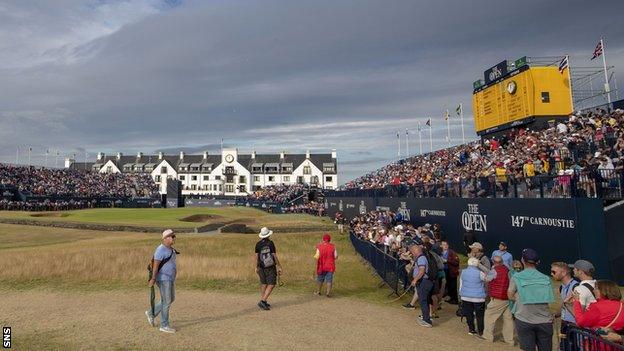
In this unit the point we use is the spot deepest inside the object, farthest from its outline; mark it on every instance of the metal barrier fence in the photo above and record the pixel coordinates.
(389, 268)
(601, 183)
(578, 339)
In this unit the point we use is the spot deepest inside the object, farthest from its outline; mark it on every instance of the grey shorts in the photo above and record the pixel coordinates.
(268, 276)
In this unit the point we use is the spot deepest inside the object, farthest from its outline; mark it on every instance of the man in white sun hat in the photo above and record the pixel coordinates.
(267, 266)
(164, 271)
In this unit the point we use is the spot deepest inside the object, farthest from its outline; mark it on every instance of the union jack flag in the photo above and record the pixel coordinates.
(563, 64)
(597, 50)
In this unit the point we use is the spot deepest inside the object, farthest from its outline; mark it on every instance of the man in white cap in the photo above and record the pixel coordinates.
(164, 273)
(476, 251)
(267, 266)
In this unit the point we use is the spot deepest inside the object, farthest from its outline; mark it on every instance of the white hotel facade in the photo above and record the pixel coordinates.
(227, 173)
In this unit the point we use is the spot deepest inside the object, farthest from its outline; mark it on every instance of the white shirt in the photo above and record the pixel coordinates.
(562, 128)
(585, 295)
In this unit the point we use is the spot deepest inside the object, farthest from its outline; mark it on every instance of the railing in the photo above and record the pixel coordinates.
(601, 183)
(577, 339)
(389, 268)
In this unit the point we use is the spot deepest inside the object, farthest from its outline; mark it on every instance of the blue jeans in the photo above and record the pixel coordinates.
(424, 289)
(167, 296)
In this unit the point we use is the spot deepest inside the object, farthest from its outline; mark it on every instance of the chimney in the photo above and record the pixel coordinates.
(205, 155)
(119, 154)
(100, 156)
(333, 152)
(253, 154)
(181, 155)
(282, 155)
(308, 154)
(160, 155)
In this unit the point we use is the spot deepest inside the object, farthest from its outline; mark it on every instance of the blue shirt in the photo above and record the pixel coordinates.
(566, 289)
(168, 271)
(421, 261)
(505, 255)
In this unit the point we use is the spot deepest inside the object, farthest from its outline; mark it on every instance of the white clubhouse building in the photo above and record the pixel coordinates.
(228, 173)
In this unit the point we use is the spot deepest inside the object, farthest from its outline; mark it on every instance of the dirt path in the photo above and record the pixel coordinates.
(219, 321)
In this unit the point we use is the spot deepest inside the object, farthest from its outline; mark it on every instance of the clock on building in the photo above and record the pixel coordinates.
(229, 158)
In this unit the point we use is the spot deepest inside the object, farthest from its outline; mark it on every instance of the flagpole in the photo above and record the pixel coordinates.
(448, 128)
(398, 145)
(29, 151)
(419, 139)
(17, 156)
(56, 160)
(461, 117)
(46, 158)
(604, 64)
(430, 137)
(407, 154)
(570, 80)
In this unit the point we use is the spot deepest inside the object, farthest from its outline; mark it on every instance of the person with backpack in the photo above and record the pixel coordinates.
(267, 266)
(584, 272)
(326, 256)
(163, 273)
(472, 294)
(532, 292)
(422, 281)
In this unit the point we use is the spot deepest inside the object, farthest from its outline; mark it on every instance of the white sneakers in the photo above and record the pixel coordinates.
(167, 330)
(150, 319)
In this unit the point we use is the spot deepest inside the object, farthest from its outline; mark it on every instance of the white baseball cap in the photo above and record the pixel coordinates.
(168, 232)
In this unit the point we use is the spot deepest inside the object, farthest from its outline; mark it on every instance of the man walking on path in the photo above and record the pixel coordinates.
(498, 307)
(164, 273)
(267, 266)
(423, 284)
(532, 292)
(326, 256)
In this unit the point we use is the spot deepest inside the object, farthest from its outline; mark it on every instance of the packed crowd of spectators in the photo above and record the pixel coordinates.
(280, 194)
(37, 181)
(310, 207)
(497, 289)
(586, 149)
(45, 205)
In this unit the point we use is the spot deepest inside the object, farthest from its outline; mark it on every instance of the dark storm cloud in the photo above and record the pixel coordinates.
(270, 75)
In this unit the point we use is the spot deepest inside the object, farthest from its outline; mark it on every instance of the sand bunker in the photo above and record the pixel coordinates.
(199, 218)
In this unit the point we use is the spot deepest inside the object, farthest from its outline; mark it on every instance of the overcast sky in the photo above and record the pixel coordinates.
(147, 75)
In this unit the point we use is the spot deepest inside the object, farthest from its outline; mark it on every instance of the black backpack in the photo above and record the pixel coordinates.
(162, 263)
(432, 266)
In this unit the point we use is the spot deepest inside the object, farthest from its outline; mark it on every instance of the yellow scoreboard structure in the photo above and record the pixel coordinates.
(524, 95)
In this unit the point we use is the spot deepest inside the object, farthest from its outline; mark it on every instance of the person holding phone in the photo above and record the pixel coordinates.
(607, 313)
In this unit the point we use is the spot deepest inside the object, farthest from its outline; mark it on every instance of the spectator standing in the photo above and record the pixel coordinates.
(504, 254)
(560, 272)
(472, 293)
(423, 284)
(267, 266)
(532, 292)
(451, 269)
(584, 272)
(326, 256)
(164, 274)
(607, 312)
(476, 251)
(498, 307)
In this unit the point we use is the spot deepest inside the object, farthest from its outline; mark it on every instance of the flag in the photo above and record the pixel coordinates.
(563, 64)
(597, 50)
(406, 133)
(428, 122)
(419, 129)
(458, 110)
(398, 137)
(446, 115)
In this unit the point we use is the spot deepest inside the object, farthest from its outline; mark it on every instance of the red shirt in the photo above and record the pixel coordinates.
(599, 314)
(326, 261)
